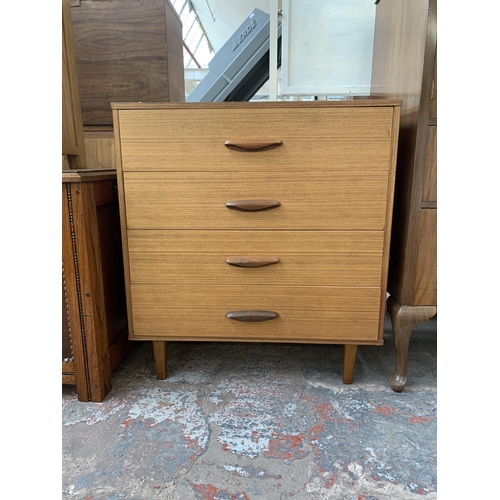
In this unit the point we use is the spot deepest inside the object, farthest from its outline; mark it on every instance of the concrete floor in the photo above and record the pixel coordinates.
(257, 421)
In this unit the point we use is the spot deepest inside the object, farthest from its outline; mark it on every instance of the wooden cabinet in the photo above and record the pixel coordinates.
(94, 315)
(404, 66)
(265, 222)
(129, 50)
(73, 146)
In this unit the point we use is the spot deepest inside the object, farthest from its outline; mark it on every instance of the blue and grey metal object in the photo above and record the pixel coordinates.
(241, 66)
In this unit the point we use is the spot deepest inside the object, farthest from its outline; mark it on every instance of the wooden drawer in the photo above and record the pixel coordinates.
(313, 137)
(306, 314)
(309, 200)
(305, 257)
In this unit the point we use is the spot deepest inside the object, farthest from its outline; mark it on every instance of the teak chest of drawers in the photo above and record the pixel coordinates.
(266, 222)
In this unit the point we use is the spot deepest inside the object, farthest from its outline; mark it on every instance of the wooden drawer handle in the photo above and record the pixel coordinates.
(252, 205)
(252, 261)
(252, 316)
(252, 145)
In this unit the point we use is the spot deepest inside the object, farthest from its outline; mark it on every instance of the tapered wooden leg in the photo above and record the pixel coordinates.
(349, 362)
(404, 319)
(160, 354)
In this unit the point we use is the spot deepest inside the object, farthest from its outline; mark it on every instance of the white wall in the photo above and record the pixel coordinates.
(329, 47)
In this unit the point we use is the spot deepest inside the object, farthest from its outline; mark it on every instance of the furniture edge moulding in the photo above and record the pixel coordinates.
(123, 219)
(365, 102)
(389, 214)
(81, 257)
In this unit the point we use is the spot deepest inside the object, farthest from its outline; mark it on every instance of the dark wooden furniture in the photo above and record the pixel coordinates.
(127, 50)
(94, 314)
(404, 66)
(73, 146)
(270, 224)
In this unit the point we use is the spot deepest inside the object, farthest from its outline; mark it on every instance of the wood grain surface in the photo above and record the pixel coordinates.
(334, 177)
(429, 191)
(309, 200)
(404, 64)
(88, 175)
(99, 148)
(305, 313)
(122, 54)
(73, 146)
(85, 291)
(343, 139)
(426, 268)
(305, 257)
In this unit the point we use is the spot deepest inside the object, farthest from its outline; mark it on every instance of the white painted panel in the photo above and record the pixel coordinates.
(327, 46)
(220, 18)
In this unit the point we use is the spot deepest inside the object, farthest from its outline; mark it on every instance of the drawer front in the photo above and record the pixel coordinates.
(309, 200)
(293, 257)
(194, 139)
(306, 314)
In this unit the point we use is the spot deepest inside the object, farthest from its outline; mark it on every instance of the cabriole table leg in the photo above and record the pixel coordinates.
(404, 319)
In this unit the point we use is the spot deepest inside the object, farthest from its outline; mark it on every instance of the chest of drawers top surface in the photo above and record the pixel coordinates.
(328, 167)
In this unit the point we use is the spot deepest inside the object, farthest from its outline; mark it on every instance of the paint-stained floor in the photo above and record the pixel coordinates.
(257, 421)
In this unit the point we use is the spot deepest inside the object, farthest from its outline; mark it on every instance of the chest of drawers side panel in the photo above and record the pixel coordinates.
(389, 213)
(123, 219)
